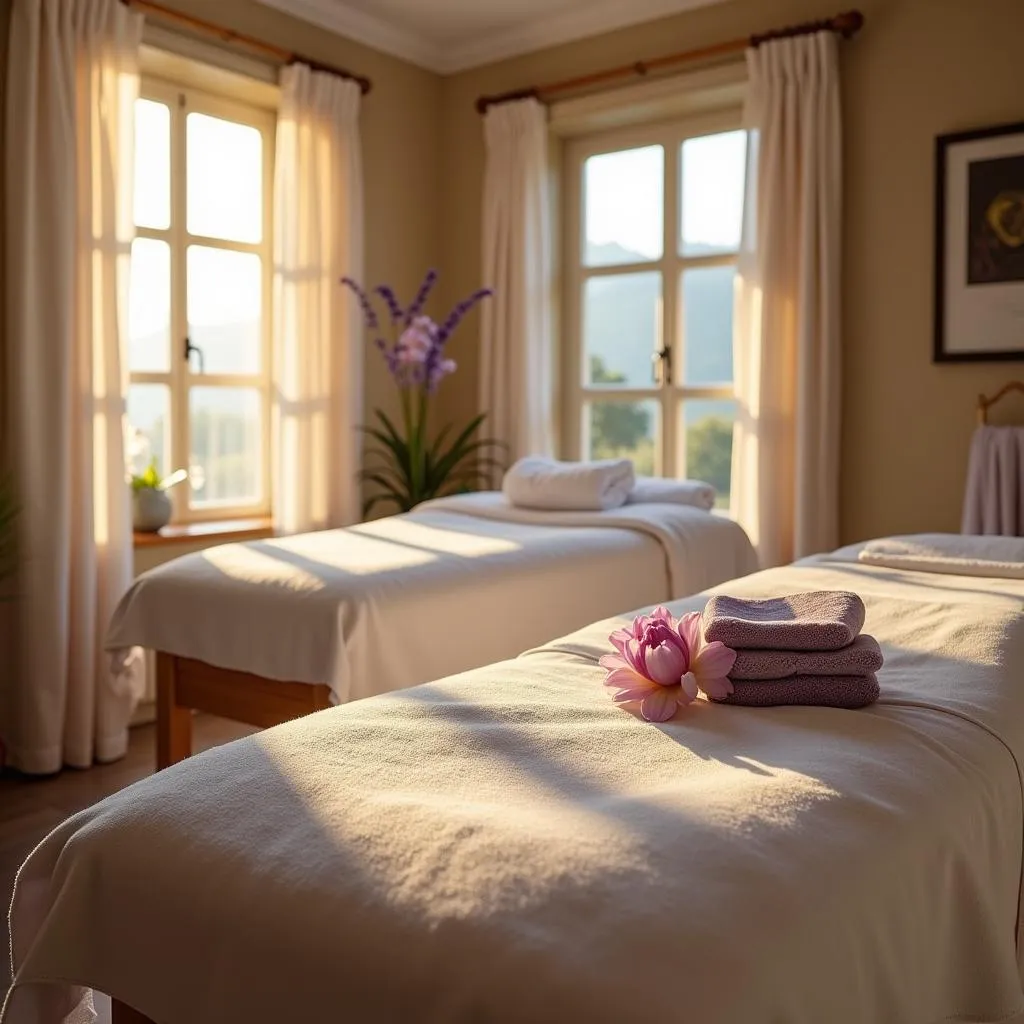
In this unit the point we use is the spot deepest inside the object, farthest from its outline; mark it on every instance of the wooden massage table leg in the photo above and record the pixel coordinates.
(184, 685)
(173, 721)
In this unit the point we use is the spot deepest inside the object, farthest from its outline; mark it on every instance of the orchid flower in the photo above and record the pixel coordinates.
(662, 663)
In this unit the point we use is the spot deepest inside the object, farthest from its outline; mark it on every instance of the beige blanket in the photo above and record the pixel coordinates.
(366, 610)
(507, 845)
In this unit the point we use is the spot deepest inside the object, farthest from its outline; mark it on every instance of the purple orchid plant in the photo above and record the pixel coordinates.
(408, 466)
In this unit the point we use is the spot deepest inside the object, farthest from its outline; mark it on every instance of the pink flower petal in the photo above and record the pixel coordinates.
(716, 688)
(634, 655)
(691, 630)
(613, 661)
(661, 614)
(714, 659)
(665, 664)
(660, 705)
(619, 639)
(687, 689)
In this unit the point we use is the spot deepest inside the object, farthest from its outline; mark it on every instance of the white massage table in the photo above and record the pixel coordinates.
(266, 631)
(507, 845)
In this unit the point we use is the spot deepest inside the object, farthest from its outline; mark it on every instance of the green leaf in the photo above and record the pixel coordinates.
(150, 478)
(387, 489)
(435, 448)
(372, 502)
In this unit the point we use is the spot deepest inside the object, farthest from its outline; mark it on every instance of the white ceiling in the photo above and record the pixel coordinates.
(452, 35)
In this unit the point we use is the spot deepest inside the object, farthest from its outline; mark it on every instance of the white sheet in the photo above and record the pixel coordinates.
(507, 845)
(373, 608)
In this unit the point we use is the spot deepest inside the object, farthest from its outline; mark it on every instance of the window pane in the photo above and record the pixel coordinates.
(624, 206)
(613, 430)
(224, 179)
(152, 164)
(225, 298)
(708, 443)
(621, 328)
(149, 307)
(707, 297)
(714, 173)
(227, 444)
(149, 427)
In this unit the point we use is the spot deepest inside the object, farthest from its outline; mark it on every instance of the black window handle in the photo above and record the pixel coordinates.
(662, 366)
(189, 349)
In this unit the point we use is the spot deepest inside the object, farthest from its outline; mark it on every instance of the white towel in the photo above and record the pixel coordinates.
(994, 500)
(539, 482)
(949, 553)
(655, 490)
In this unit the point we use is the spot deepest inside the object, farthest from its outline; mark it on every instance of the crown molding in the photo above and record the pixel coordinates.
(377, 33)
(447, 58)
(595, 18)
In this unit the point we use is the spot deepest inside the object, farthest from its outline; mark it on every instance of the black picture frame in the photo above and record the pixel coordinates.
(945, 146)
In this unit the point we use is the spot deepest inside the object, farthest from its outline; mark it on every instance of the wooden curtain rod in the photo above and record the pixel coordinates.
(229, 35)
(847, 25)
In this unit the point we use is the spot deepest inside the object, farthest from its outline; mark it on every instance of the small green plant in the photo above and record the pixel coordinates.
(150, 478)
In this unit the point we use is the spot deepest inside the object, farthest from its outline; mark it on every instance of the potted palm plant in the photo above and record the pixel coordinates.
(409, 464)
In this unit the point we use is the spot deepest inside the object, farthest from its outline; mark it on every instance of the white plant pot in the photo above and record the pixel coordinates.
(151, 510)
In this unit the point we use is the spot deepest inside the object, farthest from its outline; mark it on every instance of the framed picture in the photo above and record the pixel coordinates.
(979, 251)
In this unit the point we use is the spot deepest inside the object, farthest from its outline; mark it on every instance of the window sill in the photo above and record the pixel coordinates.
(223, 529)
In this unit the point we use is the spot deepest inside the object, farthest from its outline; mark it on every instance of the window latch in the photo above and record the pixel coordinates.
(662, 366)
(189, 349)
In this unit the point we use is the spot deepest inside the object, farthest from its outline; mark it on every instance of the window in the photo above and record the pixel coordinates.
(653, 229)
(199, 316)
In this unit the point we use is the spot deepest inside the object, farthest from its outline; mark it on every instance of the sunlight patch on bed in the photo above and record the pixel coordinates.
(444, 541)
(252, 565)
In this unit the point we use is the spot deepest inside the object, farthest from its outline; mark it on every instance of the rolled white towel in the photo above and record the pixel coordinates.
(539, 482)
(654, 490)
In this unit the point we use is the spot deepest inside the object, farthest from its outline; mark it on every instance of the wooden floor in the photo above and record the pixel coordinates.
(31, 807)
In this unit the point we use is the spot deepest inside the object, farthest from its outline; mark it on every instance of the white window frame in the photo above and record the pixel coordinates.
(672, 394)
(182, 100)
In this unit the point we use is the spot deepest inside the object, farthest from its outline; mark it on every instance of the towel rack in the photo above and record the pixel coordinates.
(984, 404)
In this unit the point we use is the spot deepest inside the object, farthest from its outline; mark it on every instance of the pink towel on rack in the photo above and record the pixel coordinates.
(994, 496)
(822, 620)
(860, 658)
(818, 691)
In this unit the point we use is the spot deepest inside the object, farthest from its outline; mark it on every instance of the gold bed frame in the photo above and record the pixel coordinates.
(184, 685)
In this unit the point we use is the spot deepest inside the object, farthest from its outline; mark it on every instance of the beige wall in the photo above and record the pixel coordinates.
(400, 121)
(920, 68)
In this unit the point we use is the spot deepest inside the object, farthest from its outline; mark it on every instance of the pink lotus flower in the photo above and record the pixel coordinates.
(663, 662)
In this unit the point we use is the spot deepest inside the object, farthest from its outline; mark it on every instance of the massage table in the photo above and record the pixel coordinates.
(266, 631)
(507, 845)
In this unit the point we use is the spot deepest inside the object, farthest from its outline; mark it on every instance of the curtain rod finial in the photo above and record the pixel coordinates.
(849, 23)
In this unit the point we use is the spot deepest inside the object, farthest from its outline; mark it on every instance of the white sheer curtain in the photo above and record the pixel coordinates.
(318, 239)
(71, 87)
(785, 482)
(517, 358)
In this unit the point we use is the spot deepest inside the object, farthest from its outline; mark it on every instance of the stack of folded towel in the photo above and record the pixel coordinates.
(804, 649)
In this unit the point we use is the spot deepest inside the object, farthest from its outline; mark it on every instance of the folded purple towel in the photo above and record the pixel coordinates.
(823, 620)
(821, 691)
(860, 658)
